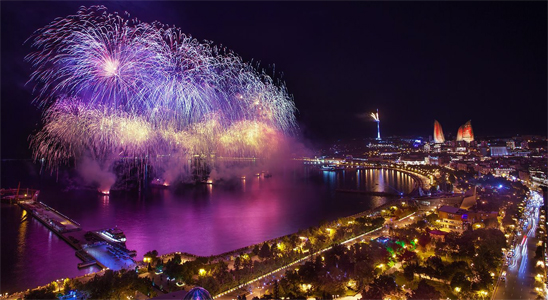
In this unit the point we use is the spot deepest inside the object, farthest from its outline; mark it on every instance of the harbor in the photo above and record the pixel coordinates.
(105, 248)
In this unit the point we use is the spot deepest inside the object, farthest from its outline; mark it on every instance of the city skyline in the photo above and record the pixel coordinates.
(233, 150)
(416, 62)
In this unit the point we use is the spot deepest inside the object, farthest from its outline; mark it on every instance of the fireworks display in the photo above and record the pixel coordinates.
(112, 87)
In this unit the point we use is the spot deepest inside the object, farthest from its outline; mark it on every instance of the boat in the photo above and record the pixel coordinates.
(206, 181)
(114, 235)
(332, 168)
(159, 182)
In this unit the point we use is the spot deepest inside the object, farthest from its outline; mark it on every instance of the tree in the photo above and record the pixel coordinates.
(452, 179)
(431, 218)
(364, 272)
(454, 267)
(539, 251)
(45, 293)
(409, 272)
(265, 251)
(435, 262)
(425, 291)
(424, 240)
(407, 256)
(308, 272)
(459, 281)
(380, 287)
(237, 263)
(152, 254)
(256, 250)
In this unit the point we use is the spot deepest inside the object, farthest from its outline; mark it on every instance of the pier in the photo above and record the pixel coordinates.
(19, 195)
(92, 247)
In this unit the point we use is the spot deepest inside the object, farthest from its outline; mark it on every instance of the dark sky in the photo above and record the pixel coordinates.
(415, 61)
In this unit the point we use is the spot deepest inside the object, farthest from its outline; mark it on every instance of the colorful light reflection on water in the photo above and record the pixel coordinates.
(203, 220)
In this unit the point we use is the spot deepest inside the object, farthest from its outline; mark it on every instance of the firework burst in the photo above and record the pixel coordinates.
(113, 87)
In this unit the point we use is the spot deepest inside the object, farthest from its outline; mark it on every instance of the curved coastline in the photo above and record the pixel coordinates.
(418, 182)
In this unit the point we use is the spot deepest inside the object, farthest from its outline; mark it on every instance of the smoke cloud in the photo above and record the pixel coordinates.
(95, 175)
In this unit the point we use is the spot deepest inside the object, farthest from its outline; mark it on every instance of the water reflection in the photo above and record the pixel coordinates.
(22, 240)
(105, 200)
(203, 219)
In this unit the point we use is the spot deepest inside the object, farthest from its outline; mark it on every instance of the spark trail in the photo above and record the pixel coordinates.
(113, 88)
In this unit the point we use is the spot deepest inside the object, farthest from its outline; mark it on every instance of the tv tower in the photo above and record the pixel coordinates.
(375, 117)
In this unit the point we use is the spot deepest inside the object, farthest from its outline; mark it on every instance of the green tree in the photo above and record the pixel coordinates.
(459, 281)
(539, 251)
(256, 250)
(237, 263)
(265, 251)
(408, 256)
(381, 286)
(431, 218)
(45, 293)
(409, 272)
(424, 240)
(364, 272)
(452, 179)
(425, 291)
(152, 254)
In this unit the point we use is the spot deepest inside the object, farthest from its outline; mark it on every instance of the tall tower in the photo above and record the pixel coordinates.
(375, 117)
(438, 133)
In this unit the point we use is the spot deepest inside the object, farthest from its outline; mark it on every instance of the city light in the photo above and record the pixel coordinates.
(189, 147)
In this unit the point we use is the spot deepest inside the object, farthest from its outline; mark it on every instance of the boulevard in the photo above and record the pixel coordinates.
(520, 269)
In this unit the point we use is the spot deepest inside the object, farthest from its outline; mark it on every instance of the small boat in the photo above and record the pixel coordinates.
(159, 183)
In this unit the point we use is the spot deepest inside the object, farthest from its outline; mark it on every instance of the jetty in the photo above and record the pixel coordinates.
(92, 247)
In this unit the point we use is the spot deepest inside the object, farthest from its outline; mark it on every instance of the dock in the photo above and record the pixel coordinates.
(19, 195)
(92, 247)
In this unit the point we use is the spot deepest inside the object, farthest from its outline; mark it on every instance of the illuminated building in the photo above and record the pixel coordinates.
(198, 293)
(438, 133)
(375, 117)
(465, 132)
(499, 151)
(452, 218)
(458, 219)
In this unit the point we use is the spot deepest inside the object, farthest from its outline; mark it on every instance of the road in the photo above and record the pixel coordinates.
(257, 287)
(520, 278)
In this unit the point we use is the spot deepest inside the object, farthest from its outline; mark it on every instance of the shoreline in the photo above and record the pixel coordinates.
(226, 255)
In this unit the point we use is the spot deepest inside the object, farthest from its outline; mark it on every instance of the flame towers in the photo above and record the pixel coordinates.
(465, 132)
(438, 133)
(375, 117)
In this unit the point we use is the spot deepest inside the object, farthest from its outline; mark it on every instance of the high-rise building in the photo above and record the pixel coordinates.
(465, 132)
(438, 133)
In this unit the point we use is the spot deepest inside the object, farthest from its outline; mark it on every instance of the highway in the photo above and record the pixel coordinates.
(520, 273)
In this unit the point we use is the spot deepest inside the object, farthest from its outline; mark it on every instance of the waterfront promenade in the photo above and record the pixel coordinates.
(278, 273)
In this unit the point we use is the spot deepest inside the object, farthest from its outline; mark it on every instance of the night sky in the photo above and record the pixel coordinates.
(415, 62)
